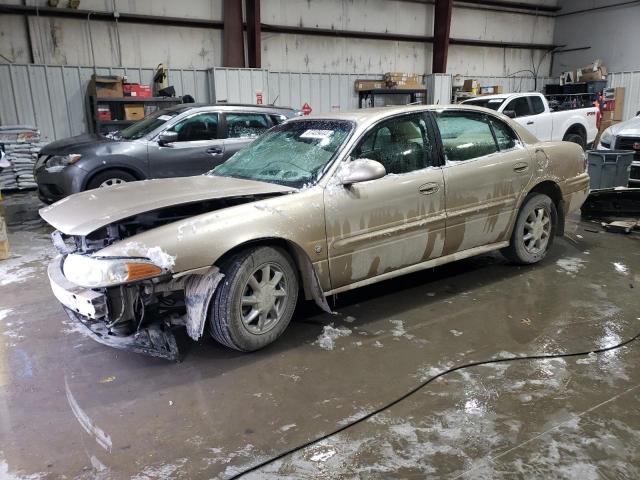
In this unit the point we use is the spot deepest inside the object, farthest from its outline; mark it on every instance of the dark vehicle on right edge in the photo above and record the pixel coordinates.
(184, 140)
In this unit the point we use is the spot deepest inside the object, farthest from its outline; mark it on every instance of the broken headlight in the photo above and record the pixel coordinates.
(58, 162)
(94, 272)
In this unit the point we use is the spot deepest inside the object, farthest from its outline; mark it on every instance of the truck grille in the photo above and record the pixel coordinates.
(626, 143)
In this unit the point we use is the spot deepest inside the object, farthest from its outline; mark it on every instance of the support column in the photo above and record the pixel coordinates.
(254, 45)
(232, 35)
(441, 29)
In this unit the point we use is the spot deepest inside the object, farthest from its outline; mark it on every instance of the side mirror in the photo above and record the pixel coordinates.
(167, 137)
(361, 170)
(510, 113)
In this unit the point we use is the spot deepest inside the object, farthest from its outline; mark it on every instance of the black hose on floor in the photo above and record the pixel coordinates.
(415, 390)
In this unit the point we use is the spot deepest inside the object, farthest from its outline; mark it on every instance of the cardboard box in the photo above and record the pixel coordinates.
(133, 112)
(106, 86)
(401, 80)
(470, 86)
(369, 84)
(136, 90)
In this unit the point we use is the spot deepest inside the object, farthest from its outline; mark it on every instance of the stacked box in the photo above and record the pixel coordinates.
(22, 145)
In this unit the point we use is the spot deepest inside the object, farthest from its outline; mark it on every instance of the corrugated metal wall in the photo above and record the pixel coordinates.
(324, 92)
(631, 83)
(514, 84)
(54, 98)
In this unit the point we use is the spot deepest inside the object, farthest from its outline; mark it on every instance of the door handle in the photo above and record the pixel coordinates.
(215, 151)
(530, 122)
(520, 167)
(429, 188)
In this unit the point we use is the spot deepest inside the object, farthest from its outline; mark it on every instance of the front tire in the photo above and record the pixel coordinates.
(255, 301)
(534, 230)
(110, 178)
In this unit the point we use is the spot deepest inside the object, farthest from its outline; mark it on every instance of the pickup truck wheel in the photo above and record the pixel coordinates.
(109, 178)
(534, 230)
(576, 138)
(255, 301)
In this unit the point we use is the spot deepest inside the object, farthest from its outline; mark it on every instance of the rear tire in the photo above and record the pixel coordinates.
(110, 177)
(255, 301)
(534, 230)
(576, 138)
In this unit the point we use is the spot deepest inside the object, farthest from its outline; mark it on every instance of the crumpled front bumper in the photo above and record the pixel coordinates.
(89, 310)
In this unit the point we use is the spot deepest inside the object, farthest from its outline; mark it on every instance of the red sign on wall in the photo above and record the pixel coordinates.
(258, 98)
(306, 108)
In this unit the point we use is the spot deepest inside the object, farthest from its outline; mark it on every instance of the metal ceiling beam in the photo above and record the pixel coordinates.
(441, 29)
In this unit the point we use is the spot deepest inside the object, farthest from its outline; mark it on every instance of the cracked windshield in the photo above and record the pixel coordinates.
(292, 154)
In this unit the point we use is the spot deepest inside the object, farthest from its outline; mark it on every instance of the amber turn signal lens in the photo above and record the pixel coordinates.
(138, 271)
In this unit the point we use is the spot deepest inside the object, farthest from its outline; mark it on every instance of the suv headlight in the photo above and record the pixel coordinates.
(94, 272)
(606, 138)
(58, 162)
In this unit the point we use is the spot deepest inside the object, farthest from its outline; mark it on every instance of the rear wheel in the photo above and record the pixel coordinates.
(255, 301)
(110, 178)
(576, 138)
(534, 230)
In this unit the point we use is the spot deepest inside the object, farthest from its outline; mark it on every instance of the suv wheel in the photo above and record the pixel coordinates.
(109, 178)
(576, 138)
(534, 230)
(255, 301)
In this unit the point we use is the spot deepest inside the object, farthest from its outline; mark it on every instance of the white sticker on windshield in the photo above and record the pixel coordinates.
(321, 134)
(164, 118)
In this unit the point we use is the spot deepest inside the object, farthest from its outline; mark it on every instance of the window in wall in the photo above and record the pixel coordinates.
(401, 144)
(465, 135)
(242, 125)
(203, 126)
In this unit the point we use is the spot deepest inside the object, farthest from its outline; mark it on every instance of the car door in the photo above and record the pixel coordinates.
(523, 113)
(543, 123)
(486, 172)
(395, 221)
(198, 149)
(242, 128)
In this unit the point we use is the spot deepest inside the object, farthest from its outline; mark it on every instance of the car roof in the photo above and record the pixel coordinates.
(229, 106)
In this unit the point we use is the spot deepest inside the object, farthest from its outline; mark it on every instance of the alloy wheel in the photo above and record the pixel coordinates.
(264, 299)
(537, 230)
(112, 181)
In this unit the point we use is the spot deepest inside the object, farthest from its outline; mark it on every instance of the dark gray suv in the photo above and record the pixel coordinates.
(180, 141)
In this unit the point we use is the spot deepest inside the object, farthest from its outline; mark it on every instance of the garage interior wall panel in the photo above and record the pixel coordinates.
(54, 97)
(631, 83)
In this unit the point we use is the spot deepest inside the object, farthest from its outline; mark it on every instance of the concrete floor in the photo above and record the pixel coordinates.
(71, 408)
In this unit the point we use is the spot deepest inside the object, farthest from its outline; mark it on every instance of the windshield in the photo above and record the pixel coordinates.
(492, 103)
(147, 124)
(292, 154)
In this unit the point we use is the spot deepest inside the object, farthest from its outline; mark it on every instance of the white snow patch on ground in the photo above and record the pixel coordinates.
(455, 333)
(161, 471)
(571, 265)
(398, 329)
(5, 474)
(589, 359)
(377, 344)
(323, 456)
(350, 319)
(621, 268)
(329, 334)
(284, 428)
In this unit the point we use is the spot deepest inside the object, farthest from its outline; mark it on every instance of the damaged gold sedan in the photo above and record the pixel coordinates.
(314, 207)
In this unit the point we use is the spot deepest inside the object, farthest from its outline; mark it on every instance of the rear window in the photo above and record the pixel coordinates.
(492, 103)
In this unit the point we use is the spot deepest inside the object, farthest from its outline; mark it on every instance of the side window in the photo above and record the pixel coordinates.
(465, 135)
(277, 119)
(536, 105)
(505, 136)
(520, 106)
(203, 126)
(401, 144)
(242, 125)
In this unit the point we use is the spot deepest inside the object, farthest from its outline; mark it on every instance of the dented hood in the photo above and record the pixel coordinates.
(85, 212)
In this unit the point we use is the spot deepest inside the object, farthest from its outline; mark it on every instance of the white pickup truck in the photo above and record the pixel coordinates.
(531, 110)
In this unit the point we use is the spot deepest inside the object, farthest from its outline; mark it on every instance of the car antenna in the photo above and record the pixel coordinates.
(275, 100)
